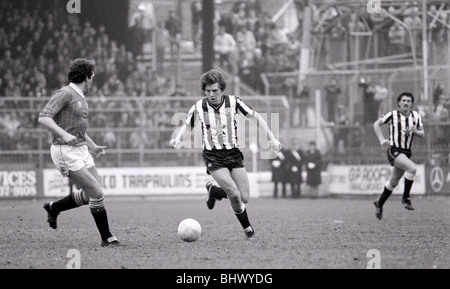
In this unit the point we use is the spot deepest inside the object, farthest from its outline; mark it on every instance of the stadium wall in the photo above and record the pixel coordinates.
(369, 179)
(19, 183)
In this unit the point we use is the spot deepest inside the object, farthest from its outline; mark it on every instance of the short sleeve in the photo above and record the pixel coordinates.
(190, 119)
(244, 108)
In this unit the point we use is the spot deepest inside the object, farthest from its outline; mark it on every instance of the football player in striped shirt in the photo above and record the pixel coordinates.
(66, 117)
(223, 159)
(404, 125)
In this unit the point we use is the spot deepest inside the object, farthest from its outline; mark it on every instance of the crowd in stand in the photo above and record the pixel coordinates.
(248, 43)
(36, 48)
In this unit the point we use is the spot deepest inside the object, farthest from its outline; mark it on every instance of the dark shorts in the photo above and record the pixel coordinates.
(393, 153)
(218, 159)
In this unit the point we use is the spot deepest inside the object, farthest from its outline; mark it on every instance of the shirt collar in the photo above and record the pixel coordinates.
(78, 90)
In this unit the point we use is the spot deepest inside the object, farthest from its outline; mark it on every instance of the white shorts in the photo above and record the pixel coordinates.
(70, 158)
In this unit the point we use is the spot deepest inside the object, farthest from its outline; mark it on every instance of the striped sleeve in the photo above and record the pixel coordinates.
(190, 120)
(387, 117)
(419, 123)
(243, 108)
(56, 103)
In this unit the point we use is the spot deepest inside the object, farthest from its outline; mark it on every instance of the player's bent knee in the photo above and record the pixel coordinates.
(245, 199)
(234, 197)
(96, 195)
(411, 173)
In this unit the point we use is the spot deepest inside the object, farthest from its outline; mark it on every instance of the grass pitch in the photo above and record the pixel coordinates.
(290, 234)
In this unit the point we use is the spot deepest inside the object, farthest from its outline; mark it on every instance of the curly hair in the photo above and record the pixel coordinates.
(408, 94)
(79, 70)
(211, 77)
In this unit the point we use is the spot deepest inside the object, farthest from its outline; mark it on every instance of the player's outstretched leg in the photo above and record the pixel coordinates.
(378, 210)
(74, 200)
(380, 202)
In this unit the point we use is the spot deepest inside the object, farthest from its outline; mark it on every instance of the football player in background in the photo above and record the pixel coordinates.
(404, 125)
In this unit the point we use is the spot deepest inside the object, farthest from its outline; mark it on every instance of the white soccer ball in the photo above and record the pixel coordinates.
(189, 230)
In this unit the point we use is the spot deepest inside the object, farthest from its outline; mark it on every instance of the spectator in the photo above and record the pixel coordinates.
(294, 166)
(332, 92)
(368, 98)
(355, 24)
(12, 89)
(162, 41)
(252, 20)
(238, 18)
(303, 101)
(313, 160)
(381, 94)
(109, 138)
(179, 91)
(338, 32)
(277, 39)
(397, 36)
(173, 26)
(279, 173)
(341, 132)
(356, 137)
(442, 117)
(142, 23)
(437, 29)
(196, 14)
(245, 40)
(437, 92)
(225, 46)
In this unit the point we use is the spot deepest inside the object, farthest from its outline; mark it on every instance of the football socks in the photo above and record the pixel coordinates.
(408, 185)
(98, 211)
(72, 201)
(384, 196)
(243, 219)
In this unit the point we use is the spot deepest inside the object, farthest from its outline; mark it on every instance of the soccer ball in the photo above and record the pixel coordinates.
(189, 230)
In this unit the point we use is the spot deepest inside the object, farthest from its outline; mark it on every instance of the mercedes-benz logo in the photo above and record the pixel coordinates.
(437, 179)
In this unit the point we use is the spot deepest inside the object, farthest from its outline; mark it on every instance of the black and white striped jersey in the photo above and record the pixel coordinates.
(399, 125)
(218, 123)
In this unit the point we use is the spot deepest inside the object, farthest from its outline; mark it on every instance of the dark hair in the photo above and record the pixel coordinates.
(211, 77)
(79, 70)
(408, 94)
